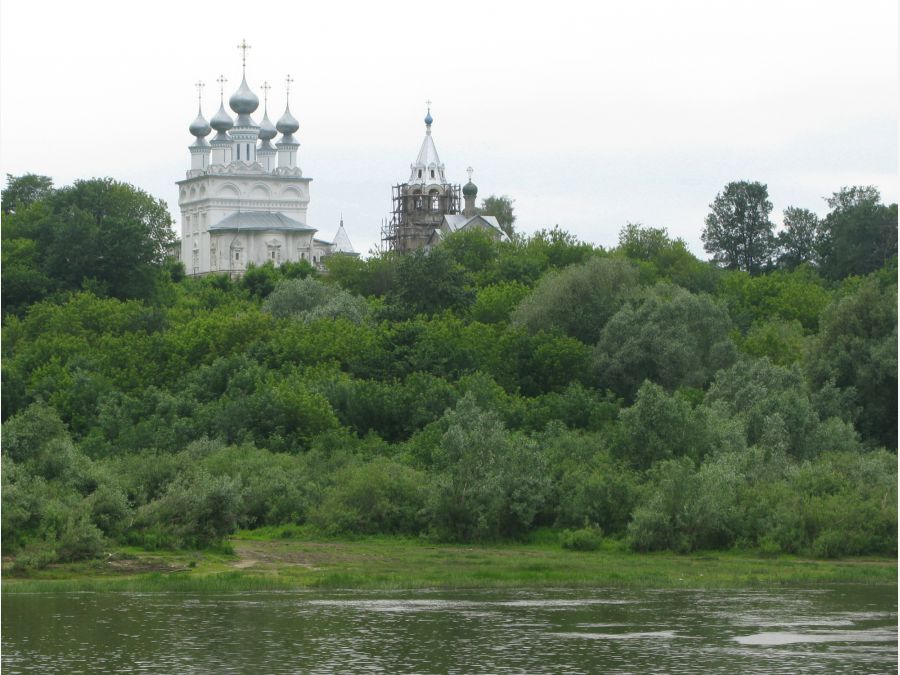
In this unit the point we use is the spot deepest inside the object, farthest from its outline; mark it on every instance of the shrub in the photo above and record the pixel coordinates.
(587, 538)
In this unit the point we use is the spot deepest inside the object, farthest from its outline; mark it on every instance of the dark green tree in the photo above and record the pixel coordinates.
(738, 231)
(859, 234)
(429, 282)
(502, 209)
(798, 242)
(22, 191)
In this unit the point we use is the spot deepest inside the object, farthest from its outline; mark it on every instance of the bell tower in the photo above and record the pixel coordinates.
(420, 204)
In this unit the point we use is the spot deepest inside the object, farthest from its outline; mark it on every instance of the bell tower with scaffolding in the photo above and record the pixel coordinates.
(420, 204)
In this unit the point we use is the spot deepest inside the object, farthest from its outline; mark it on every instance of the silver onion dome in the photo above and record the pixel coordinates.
(243, 101)
(221, 121)
(200, 127)
(267, 130)
(288, 124)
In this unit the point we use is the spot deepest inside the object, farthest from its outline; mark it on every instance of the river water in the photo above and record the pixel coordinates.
(841, 629)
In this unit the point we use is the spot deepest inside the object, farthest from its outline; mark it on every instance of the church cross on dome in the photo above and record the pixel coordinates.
(288, 81)
(244, 47)
(265, 87)
(221, 79)
(199, 86)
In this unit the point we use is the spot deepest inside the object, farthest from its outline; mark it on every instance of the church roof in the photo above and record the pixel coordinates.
(260, 220)
(457, 221)
(427, 159)
(342, 241)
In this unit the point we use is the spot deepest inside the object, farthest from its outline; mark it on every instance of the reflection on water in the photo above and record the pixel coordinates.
(834, 630)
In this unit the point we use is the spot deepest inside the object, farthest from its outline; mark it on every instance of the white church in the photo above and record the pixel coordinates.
(244, 200)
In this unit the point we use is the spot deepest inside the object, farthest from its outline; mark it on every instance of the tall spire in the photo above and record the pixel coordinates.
(427, 168)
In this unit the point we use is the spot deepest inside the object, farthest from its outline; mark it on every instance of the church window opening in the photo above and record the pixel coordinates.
(248, 152)
(420, 173)
(238, 151)
(432, 173)
(435, 201)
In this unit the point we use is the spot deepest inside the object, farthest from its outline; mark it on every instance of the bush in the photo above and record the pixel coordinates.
(587, 538)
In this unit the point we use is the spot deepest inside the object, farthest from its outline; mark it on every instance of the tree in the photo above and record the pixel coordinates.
(99, 234)
(578, 300)
(672, 337)
(502, 209)
(22, 191)
(798, 242)
(860, 233)
(429, 282)
(738, 231)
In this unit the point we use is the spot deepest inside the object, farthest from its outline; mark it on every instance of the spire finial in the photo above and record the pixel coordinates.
(199, 86)
(469, 171)
(288, 81)
(265, 87)
(221, 79)
(244, 47)
(428, 118)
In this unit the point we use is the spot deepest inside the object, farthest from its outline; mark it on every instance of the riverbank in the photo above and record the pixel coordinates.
(269, 560)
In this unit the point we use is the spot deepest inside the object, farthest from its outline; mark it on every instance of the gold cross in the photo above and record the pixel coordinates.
(199, 86)
(221, 79)
(265, 87)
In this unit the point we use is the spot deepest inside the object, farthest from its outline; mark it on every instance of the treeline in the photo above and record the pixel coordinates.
(472, 393)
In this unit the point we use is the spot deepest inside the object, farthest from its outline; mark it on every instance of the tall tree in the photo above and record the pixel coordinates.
(738, 231)
(798, 242)
(100, 234)
(22, 191)
(859, 234)
(502, 209)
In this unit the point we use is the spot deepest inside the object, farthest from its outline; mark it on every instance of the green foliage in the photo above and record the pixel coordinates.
(23, 191)
(859, 234)
(669, 336)
(579, 300)
(495, 303)
(502, 209)
(800, 240)
(428, 283)
(309, 300)
(856, 350)
(379, 496)
(475, 392)
(99, 234)
(489, 482)
(588, 538)
(738, 231)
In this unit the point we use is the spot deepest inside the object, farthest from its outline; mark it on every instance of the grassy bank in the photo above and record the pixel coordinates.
(270, 560)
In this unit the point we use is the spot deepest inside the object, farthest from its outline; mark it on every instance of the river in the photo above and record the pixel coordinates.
(840, 629)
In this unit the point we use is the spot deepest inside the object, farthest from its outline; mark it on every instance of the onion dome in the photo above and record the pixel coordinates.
(470, 189)
(267, 130)
(221, 121)
(288, 124)
(243, 101)
(200, 127)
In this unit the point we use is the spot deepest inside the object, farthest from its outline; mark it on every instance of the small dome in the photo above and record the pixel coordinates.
(287, 124)
(243, 101)
(470, 189)
(221, 121)
(267, 130)
(428, 118)
(200, 127)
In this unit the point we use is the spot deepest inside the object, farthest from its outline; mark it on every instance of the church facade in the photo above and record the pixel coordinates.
(244, 200)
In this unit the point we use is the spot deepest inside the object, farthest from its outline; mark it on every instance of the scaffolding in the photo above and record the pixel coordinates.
(416, 214)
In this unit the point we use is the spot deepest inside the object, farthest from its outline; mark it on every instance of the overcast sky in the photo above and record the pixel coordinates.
(588, 115)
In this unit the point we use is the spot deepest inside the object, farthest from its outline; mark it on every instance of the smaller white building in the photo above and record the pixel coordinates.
(244, 201)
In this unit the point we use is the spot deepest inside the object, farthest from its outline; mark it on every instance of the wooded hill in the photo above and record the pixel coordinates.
(473, 393)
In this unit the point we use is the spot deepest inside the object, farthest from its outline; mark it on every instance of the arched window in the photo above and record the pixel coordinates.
(435, 200)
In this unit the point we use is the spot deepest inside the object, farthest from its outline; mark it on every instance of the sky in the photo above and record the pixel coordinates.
(589, 115)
